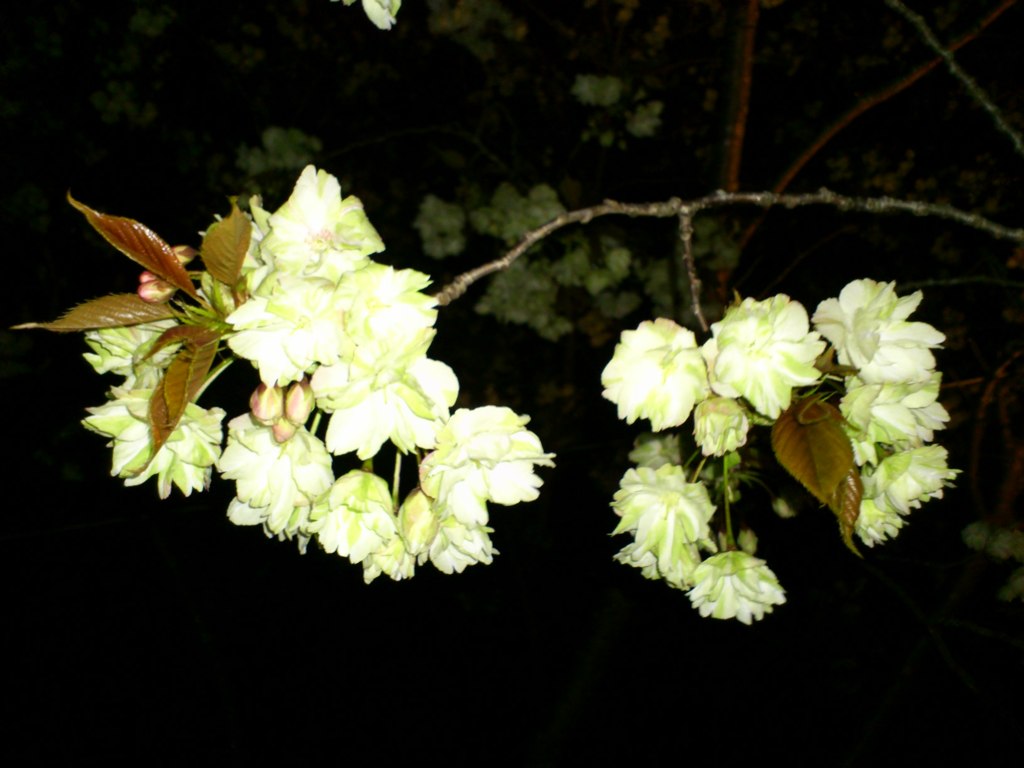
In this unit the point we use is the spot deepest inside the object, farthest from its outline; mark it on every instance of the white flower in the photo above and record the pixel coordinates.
(900, 483)
(186, 459)
(355, 518)
(656, 373)
(909, 478)
(294, 324)
(735, 585)
(276, 484)
(376, 398)
(318, 234)
(720, 425)
(676, 571)
(667, 517)
(651, 450)
(386, 307)
(458, 545)
(125, 351)
(392, 559)
(868, 326)
(900, 413)
(483, 453)
(380, 12)
(877, 521)
(760, 351)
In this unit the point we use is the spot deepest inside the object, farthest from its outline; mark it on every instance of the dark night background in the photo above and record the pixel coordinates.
(149, 632)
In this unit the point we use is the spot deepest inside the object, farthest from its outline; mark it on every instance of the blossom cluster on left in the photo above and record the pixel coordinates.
(330, 333)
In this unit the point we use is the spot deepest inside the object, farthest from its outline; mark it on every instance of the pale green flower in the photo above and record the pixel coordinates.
(418, 523)
(355, 518)
(720, 425)
(667, 517)
(124, 351)
(483, 453)
(735, 585)
(909, 478)
(316, 233)
(386, 307)
(651, 450)
(868, 326)
(761, 350)
(900, 483)
(295, 326)
(656, 373)
(276, 484)
(677, 571)
(458, 545)
(381, 12)
(877, 521)
(376, 398)
(186, 459)
(903, 414)
(392, 559)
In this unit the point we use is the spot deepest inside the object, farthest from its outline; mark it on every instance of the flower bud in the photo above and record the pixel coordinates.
(267, 404)
(417, 522)
(283, 431)
(153, 290)
(184, 253)
(298, 403)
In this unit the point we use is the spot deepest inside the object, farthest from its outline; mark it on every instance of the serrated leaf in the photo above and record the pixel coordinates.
(225, 246)
(809, 442)
(846, 505)
(181, 382)
(113, 311)
(140, 244)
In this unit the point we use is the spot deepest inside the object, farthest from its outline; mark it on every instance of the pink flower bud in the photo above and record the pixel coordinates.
(266, 404)
(153, 290)
(283, 431)
(298, 403)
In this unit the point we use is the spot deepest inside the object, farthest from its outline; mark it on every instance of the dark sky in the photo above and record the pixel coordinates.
(149, 632)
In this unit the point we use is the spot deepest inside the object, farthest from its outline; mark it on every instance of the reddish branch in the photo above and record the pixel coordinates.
(739, 101)
(881, 96)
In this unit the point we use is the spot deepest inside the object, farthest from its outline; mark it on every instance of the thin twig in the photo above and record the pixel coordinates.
(973, 89)
(686, 235)
(675, 207)
(864, 105)
(881, 96)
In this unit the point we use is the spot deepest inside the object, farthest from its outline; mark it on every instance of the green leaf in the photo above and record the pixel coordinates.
(225, 245)
(809, 442)
(140, 244)
(113, 311)
(181, 382)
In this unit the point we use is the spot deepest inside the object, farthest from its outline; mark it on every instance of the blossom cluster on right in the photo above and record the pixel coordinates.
(761, 358)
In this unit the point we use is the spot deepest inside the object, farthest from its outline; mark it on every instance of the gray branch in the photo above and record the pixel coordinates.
(685, 210)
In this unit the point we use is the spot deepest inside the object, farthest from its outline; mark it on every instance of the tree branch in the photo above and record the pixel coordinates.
(685, 210)
(973, 89)
(739, 99)
(877, 98)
